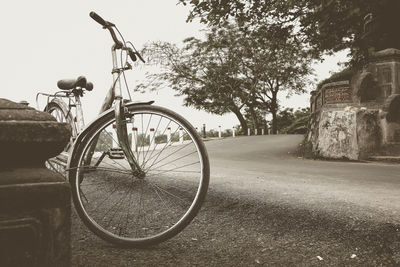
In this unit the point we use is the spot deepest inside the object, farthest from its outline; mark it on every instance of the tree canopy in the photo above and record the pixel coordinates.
(232, 69)
(293, 122)
(206, 72)
(325, 25)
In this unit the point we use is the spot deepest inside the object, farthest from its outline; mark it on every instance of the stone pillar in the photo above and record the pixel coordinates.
(35, 211)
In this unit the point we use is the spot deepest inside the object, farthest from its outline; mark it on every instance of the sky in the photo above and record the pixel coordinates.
(44, 41)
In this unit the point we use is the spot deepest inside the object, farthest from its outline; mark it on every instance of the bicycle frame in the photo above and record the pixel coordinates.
(120, 115)
(113, 95)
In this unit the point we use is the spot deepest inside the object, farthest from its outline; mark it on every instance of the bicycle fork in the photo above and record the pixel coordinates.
(122, 135)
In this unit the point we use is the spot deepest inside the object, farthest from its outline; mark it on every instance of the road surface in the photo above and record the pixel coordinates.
(267, 207)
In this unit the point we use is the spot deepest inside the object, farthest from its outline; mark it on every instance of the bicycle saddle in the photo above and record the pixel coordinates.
(81, 82)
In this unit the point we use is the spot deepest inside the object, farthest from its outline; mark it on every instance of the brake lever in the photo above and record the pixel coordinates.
(132, 55)
(139, 56)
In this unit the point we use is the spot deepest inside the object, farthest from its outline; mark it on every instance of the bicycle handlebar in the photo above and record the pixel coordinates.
(97, 18)
(118, 44)
(106, 25)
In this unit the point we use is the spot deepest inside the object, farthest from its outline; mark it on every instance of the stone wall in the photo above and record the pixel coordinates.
(357, 118)
(35, 206)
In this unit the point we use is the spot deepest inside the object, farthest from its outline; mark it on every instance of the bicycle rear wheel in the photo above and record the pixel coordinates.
(133, 211)
(58, 109)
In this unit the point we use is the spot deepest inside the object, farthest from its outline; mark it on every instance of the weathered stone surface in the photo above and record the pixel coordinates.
(393, 108)
(35, 204)
(369, 136)
(35, 218)
(337, 137)
(386, 54)
(27, 136)
(373, 124)
(352, 133)
(390, 131)
(366, 88)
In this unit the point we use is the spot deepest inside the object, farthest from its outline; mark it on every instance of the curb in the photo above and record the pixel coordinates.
(391, 159)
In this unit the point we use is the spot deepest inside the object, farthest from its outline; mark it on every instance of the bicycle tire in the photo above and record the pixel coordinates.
(60, 111)
(111, 201)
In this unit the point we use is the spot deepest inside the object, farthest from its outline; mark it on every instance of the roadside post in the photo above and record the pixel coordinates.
(169, 135)
(114, 137)
(134, 139)
(152, 138)
(181, 135)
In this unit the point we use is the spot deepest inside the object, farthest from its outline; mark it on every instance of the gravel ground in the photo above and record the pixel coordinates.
(268, 208)
(237, 232)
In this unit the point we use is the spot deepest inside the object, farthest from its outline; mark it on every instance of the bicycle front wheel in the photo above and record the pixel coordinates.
(132, 211)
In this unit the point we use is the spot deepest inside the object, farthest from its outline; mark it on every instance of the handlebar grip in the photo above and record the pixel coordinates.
(132, 55)
(140, 57)
(97, 18)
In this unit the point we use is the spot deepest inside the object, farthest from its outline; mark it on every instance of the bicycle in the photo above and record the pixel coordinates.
(132, 186)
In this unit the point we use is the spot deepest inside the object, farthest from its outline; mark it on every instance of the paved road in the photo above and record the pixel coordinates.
(265, 167)
(267, 207)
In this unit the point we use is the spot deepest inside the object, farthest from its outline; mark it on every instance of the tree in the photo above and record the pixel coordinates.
(325, 25)
(233, 68)
(275, 61)
(206, 72)
(256, 117)
(293, 122)
(285, 118)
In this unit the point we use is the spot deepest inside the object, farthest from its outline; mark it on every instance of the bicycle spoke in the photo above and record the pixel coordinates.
(191, 153)
(170, 194)
(115, 208)
(165, 146)
(110, 135)
(129, 208)
(127, 213)
(177, 171)
(176, 151)
(151, 141)
(174, 169)
(90, 167)
(166, 127)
